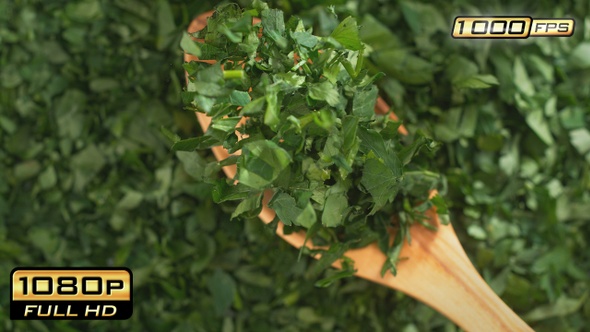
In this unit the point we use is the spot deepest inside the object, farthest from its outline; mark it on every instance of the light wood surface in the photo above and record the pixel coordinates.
(437, 271)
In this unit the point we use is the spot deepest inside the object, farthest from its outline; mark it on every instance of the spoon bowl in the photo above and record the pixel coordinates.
(438, 271)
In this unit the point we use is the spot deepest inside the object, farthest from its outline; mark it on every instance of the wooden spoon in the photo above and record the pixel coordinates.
(438, 271)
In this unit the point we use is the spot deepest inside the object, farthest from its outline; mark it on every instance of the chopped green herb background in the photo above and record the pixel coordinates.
(90, 93)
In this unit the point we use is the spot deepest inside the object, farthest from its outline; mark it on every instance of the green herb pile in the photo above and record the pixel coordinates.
(311, 135)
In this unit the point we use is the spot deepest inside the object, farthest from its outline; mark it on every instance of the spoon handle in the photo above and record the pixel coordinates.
(439, 273)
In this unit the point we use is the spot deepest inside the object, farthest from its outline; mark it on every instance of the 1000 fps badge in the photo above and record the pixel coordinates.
(71, 293)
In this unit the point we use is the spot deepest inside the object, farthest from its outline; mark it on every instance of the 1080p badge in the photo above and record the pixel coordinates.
(71, 293)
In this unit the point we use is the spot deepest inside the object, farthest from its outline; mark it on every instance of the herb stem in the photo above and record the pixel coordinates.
(307, 69)
(231, 74)
(348, 66)
(359, 61)
(306, 119)
(334, 61)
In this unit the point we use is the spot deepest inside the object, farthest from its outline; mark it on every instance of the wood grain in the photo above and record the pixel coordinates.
(437, 272)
